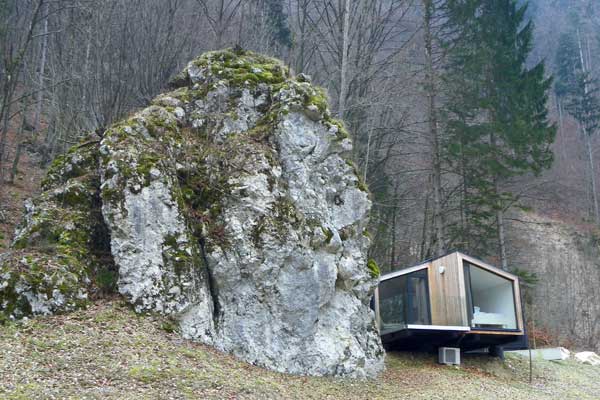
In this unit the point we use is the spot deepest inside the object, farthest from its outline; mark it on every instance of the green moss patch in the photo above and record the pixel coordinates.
(245, 69)
(62, 247)
(80, 160)
(137, 148)
(50, 282)
(373, 268)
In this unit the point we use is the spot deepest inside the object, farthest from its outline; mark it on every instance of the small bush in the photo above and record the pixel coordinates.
(106, 280)
(169, 325)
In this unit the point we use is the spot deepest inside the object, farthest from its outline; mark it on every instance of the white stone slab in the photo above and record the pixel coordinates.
(554, 353)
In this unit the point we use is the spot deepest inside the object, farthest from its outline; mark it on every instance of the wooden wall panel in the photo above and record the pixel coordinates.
(518, 305)
(447, 292)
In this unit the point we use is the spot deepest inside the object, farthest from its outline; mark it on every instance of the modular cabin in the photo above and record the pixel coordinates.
(455, 300)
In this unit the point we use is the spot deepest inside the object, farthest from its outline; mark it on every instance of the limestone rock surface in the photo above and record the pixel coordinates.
(229, 204)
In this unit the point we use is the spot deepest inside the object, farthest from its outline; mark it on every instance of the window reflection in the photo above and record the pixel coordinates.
(404, 300)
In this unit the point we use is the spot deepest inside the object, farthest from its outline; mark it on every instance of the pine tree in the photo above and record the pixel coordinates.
(280, 30)
(498, 122)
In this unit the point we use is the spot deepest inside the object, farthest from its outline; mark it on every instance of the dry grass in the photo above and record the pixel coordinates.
(108, 352)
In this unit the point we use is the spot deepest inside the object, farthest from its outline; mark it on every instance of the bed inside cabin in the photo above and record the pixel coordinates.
(490, 299)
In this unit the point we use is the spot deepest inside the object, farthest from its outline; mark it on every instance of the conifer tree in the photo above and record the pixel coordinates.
(498, 120)
(278, 20)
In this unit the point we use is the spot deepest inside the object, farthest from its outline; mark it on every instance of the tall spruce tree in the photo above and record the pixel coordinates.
(498, 121)
(280, 30)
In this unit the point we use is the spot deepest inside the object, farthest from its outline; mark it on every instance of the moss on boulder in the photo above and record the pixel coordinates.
(58, 249)
(228, 205)
(38, 283)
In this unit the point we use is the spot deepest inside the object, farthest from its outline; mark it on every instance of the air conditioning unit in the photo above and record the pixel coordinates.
(449, 355)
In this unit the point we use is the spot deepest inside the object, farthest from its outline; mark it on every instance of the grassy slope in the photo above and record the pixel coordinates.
(109, 352)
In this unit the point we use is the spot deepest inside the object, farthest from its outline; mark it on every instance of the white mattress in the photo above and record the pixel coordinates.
(483, 318)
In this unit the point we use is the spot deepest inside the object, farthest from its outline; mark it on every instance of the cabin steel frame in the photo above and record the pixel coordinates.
(454, 300)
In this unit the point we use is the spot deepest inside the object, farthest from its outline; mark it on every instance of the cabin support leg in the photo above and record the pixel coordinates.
(497, 351)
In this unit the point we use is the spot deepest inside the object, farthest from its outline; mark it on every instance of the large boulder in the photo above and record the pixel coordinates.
(230, 205)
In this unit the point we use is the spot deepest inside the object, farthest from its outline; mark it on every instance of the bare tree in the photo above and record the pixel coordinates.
(18, 27)
(220, 14)
(42, 69)
(430, 84)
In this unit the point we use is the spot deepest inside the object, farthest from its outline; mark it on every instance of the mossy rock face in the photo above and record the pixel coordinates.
(78, 162)
(245, 69)
(227, 204)
(157, 256)
(280, 212)
(37, 283)
(59, 246)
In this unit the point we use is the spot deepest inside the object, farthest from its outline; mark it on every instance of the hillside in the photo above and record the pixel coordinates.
(109, 352)
(564, 258)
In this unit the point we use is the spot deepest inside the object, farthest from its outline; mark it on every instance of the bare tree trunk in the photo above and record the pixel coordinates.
(393, 244)
(588, 143)
(302, 22)
(499, 218)
(561, 133)
(430, 89)
(424, 247)
(344, 65)
(220, 28)
(465, 243)
(42, 69)
(588, 140)
(367, 152)
(5, 123)
(502, 239)
(305, 44)
(581, 57)
(15, 163)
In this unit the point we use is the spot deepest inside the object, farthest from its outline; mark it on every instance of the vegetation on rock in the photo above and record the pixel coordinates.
(239, 174)
(61, 249)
